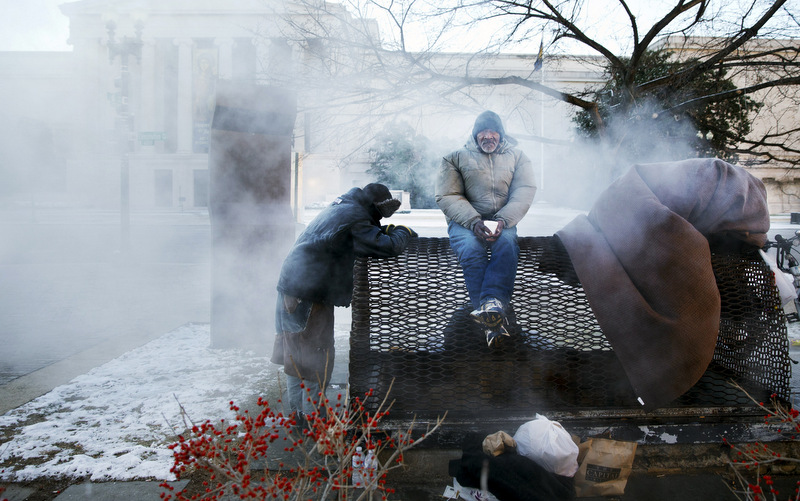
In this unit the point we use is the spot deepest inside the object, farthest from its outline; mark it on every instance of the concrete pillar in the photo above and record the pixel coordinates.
(89, 174)
(147, 116)
(262, 56)
(225, 65)
(280, 63)
(250, 206)
(184, 95)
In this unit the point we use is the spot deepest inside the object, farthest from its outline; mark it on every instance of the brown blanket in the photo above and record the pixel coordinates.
(643, 258)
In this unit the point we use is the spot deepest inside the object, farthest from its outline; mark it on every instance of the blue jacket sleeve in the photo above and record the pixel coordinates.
(370, 241)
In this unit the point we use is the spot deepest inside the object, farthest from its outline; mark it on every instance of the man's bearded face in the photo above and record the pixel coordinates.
(488, 140)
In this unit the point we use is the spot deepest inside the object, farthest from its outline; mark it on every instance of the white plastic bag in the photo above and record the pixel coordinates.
(549, 445)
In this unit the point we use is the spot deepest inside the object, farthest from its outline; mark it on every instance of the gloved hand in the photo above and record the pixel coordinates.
(484, 233)
(390, 228)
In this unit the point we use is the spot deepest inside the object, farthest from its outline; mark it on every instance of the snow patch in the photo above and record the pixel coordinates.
(115, 422)
(668, 438)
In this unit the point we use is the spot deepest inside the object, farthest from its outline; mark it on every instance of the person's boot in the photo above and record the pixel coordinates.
(494, 337)
(490, 314)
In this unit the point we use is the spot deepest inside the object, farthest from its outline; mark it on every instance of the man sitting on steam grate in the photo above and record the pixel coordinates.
(484, 190)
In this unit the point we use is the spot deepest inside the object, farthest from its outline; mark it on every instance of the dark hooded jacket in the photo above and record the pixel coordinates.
(320, 265)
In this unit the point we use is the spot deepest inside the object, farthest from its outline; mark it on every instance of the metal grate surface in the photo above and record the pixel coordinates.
(410, 326)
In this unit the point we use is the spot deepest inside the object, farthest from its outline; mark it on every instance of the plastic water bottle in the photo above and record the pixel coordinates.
(358, 468)
(370, 467)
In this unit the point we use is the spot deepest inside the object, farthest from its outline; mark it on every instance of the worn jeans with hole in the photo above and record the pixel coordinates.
(487, 275)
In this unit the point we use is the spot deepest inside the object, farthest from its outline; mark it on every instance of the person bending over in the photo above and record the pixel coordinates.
(317, 275)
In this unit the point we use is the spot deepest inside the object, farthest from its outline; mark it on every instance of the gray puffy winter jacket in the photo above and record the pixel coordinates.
(473, 185)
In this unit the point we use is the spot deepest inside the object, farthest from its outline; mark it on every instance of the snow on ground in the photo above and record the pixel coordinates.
(115, 422)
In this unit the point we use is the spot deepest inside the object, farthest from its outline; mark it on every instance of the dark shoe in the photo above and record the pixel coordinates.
(490, 314)
(495, 337)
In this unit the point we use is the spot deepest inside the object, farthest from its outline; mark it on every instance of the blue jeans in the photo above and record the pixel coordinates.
(486, 276)
(299, 397)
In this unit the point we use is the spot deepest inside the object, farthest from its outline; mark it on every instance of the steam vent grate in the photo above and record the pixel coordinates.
(411, 331)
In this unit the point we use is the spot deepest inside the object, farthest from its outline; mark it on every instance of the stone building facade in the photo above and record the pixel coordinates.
(125, 115)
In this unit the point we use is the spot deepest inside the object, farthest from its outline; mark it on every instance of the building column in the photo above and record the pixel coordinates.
(225, 63)
(147, 109)
(184, 94)
(280, 64)
(262, 54)
(92, 156)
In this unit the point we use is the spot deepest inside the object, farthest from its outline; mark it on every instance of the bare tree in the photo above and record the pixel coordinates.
(370, 74)
(748, 41)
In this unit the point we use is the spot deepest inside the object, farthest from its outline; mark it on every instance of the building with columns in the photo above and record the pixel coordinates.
(130, 106)
(152, 69)
(123, 119)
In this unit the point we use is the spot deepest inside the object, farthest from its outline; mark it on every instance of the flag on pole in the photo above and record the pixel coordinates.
(538, 64)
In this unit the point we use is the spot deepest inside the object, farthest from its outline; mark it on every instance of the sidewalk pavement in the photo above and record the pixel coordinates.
(641, 486)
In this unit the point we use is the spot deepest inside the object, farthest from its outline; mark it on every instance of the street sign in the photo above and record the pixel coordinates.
(150, 138)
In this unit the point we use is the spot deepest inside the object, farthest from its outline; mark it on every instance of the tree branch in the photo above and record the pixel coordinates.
(694, 71)
(722, 96)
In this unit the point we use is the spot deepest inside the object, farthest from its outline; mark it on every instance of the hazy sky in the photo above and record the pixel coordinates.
(33, 25)
(40, 25)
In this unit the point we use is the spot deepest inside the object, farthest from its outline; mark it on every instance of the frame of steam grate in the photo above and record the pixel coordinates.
(411, 332)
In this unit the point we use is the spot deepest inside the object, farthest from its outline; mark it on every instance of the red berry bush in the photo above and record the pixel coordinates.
(239, 457)
(752, 464)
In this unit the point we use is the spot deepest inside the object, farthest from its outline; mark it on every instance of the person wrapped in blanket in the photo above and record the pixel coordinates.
(317, 275)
